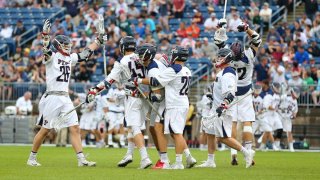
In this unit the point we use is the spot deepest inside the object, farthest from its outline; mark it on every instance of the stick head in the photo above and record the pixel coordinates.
(100, 25)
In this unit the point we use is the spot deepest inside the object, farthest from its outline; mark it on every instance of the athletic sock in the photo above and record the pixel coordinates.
(244, 151)
(143, 153)
(121, 137)
(291, 145)
(186, 152)
(164, 157)
(130, 148)
(233, 152)
(109, 138)
(277, 143)
(211, 157)
(248, 144)
(33, 155)
(262, 146)
(179, 158)
(80, 155)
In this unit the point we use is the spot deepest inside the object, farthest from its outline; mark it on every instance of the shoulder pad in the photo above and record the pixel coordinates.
(229, 70)
(153, 64)
(176, 67)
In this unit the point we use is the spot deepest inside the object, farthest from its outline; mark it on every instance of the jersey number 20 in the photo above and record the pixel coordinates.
(185, 88)
(64, 77)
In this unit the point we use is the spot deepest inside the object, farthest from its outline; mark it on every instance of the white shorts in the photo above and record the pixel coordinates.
(115, 119)
(277, 124)
(266, 122)
(206, 130)
(223, 126)
(243, 111)
(154, 118)
(175, 120)
(287, 124)
(51, 106)
(256, 126)
(87, 121)
(135, 111)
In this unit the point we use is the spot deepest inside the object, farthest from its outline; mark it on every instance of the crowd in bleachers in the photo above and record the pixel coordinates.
(289, 48)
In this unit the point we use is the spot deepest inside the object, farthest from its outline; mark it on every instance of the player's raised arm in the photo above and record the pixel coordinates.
(47, 53)
(255, 37)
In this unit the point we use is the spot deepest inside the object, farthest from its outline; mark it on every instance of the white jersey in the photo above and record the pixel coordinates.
(258, 106)
(58, 71)
(271, 100)
(176, 80)
(244, 68)
(154, 69)
(288, 106)
(226, 82)
(100, 104)
(118, 95)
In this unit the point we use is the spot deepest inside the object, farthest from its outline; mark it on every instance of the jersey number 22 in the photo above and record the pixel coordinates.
(185, 88)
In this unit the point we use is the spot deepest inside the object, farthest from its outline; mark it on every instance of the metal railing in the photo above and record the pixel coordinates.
(280, 14)
(4, 50)
(29, 35)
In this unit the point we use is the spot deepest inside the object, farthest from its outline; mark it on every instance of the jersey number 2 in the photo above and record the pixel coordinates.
(242, 72)
(185, 88)
(64, 77)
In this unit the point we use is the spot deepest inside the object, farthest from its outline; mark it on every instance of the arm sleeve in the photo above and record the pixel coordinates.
(165, 77)
(118, 72)
(229, 84)
(153, 72)
(250, 55)
(45, 62)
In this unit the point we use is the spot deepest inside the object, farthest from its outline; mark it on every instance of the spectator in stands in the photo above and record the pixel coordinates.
(198, 16)
(233, 10)
(247, 16)
(211, 23)
(18, 31)
(36, 41)
(71, 6)
(83, 75)
(144, 10)
(138, 39)
(124, 24)
(163, 14)
(140, 29)
(300, 35)
(209, 49)
(188, 41)
(261, 69)
(274, 33)
(133, 12)
(256, 19)
(164, 46)
(6, 31)
(314, 49)
(288, 36)
(24, 105)
(150, 21)
(182, 31)
(121, 7)
(198, 51)
(288, 55)
(193, 29)
(302, 56)
(316, 92)
(153, 6)
(308, 82)
(272, 44)
(36, 77)
(311, 7)
(178, 41)
(83, 41)
(234, 22)
(68, 25)
(277, 72)
(265, 14)
(305, 20)
(278, 53)
(296, 80)
(178, 8)
(262, 53)
(265, 88)
(110, 16)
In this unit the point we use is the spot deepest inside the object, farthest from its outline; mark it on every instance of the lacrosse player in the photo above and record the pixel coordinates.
(147, 57)
(244, 64)
(288, 109)
(135, 107)
(270, 116)
(56, 101)
(258, 107)
(175, 80)
(99, 120)
(225, 88)
(209, 132)
(86, 121)
(115, 99)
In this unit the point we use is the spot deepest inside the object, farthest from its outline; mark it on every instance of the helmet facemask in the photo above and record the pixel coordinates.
(64, 47)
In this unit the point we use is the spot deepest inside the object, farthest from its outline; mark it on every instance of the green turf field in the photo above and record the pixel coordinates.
(61, 163)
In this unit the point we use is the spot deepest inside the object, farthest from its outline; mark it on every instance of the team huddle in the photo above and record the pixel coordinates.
(155, 87)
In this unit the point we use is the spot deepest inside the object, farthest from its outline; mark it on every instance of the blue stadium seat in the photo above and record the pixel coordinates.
(98, 71)
(174, 21)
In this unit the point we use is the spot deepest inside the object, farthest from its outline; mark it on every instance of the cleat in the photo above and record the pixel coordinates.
(177, 166)
(125, 161)
(253, 163)
(84, 162)
(145, 163)
(207, 164)
(33, 162)
(161, 165)
(234, 162)
(249, 158)
(191, 162)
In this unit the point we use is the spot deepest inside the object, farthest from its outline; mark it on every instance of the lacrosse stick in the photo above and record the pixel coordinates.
(208, 122)
(127, 74)
(62, 118)
(101, 30)
(225, 9)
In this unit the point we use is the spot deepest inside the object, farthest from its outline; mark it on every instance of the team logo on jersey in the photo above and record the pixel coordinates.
(62, 62)
(45, 122)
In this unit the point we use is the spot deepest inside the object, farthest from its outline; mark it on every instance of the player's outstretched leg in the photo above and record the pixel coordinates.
(128, 158)
(164, 162)
(38, 139)
(234, 160)
(76, 144)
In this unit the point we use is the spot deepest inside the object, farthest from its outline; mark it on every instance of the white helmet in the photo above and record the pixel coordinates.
(257, 88)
